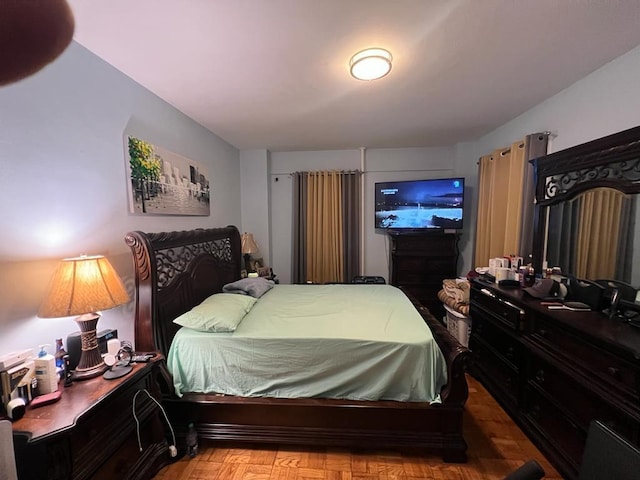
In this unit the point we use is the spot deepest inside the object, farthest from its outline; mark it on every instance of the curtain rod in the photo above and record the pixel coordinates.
(508, 149)
(377, 171)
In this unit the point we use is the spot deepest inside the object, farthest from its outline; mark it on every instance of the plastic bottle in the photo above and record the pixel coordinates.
(43, 350)
(192, 441)
(45, 371)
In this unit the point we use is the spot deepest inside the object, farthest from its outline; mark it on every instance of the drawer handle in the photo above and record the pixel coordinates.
(614, 372)
(540, 376)
(509, 353)
(543, 333)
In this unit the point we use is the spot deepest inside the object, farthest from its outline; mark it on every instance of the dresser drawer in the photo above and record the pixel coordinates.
(500, 377)
(99, 433)
(504, 346)
(563, 437)
(607, 367)
(578, 403)
(501, 311)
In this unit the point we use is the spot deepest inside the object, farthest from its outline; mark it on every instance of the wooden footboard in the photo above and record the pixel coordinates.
(340, 423)
(458, 357)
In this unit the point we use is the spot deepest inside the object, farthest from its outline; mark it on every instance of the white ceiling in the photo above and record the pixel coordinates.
(274, 73)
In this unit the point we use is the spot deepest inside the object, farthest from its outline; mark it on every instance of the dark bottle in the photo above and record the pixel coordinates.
(192, 441)
(59, 356)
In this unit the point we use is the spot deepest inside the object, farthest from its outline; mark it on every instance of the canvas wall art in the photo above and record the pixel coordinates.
(164, 183)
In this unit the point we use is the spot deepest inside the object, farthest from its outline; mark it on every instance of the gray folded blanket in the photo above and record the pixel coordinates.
(254, 287)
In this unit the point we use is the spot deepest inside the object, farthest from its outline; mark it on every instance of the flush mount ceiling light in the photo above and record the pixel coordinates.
(370, 64)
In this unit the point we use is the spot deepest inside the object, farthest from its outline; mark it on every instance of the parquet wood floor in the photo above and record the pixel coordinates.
(496, 447)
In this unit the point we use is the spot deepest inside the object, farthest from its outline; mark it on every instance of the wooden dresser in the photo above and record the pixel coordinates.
(555, 371)
(419, 263)
(90, 433)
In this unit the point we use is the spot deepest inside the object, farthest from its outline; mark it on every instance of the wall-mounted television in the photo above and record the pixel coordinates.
(434, 204)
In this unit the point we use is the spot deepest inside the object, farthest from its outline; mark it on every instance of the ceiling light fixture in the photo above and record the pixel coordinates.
(370, 64)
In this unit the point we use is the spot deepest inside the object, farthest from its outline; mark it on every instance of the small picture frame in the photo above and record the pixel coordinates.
(243, 273)
(263, 271)
(255, 264)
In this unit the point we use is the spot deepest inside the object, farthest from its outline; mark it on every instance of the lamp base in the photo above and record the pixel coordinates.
(247, 260)
(91, 364)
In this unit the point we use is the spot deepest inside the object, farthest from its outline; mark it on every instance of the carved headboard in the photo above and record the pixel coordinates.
(175, 271)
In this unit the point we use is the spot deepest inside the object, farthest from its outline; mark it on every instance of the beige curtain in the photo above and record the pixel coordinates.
(505, 197)
(324, 229)
(326, 226)
(598, 233)
(500, 203)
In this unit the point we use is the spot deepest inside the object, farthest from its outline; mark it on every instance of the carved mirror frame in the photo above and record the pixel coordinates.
(612, 161)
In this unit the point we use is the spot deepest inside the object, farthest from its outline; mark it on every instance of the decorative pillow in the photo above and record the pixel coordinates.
(221, 312)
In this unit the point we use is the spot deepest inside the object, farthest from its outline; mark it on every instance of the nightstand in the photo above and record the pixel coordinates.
(91, 432)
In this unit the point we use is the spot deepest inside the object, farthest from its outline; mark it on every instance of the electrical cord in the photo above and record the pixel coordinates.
(172, 448)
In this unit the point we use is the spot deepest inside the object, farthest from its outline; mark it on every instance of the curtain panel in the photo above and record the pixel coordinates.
(589, 231)
(506, 200)
(299, 227)
(326, 226)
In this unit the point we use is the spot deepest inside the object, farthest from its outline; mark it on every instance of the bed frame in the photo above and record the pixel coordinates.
(175, 271)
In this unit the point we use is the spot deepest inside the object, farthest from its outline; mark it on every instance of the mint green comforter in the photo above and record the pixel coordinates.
(360, 342)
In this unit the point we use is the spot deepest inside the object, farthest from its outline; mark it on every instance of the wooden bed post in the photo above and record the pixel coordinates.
(144, 296)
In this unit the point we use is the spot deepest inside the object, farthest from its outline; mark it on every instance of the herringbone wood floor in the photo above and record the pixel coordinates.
(496, 447)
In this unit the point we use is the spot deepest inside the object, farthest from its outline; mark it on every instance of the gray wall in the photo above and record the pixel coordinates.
(604, 102)
(377, 164)
(63, 187)
(254, 185)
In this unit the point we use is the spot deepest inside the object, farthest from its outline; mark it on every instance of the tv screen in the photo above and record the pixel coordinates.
(420, 204)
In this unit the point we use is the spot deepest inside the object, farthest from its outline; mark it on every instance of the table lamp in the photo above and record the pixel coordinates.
(249, 246)
(83, 286)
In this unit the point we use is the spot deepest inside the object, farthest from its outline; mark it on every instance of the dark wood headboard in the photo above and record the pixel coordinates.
(175, 271)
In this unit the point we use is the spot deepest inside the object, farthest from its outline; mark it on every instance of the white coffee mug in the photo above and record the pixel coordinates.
(502, 273)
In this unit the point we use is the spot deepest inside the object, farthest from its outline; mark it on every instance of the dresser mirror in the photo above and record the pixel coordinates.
(587, 219)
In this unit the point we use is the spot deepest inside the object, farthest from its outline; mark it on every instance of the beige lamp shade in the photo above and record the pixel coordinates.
(32, 34)
(249, 245)
(83, 285)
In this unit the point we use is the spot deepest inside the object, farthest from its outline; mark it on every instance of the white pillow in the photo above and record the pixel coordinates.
(221, 312)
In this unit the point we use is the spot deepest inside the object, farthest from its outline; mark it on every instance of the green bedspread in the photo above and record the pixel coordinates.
(360, 342)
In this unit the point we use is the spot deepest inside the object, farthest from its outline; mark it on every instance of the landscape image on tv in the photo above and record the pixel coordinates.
(420, 204)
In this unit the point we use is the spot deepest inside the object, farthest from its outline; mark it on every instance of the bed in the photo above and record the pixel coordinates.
(175, 271)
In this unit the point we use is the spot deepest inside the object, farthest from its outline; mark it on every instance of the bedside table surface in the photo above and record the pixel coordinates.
(77, 399)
